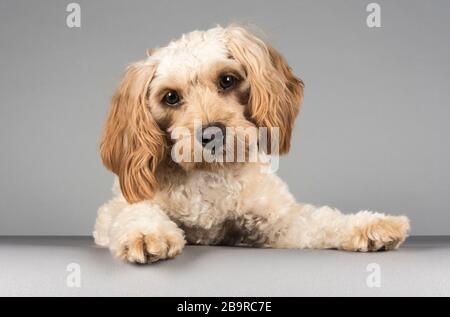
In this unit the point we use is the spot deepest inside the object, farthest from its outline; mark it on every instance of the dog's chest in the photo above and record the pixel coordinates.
(203, 200)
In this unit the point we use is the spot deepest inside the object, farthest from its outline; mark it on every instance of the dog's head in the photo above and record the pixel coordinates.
(223, 78)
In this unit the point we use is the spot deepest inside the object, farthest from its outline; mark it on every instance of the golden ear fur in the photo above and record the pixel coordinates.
(132, 144)
(275, 93)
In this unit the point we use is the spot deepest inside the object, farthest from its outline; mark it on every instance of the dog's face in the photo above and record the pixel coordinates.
(224, 79)
(198, 86)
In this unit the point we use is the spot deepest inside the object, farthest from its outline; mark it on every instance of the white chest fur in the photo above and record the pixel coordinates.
(204, 199)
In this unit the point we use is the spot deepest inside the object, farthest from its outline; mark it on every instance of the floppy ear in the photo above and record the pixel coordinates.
(275, 93)
(132, 144)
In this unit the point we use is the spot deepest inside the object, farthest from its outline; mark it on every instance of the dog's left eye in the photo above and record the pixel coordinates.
(227, 81)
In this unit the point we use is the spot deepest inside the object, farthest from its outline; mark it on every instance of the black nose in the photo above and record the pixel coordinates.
(211, 131)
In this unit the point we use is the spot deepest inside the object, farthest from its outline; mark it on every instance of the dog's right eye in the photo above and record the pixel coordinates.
(172, 98)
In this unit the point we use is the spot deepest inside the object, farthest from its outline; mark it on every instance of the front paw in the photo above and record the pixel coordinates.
(377, 232)
(141, 246)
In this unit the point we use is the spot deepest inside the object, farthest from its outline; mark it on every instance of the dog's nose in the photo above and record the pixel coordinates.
(211, 131)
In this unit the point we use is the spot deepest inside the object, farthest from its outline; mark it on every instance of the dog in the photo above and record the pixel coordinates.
(225, 77)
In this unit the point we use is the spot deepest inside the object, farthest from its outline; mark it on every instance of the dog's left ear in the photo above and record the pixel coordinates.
(275, 93)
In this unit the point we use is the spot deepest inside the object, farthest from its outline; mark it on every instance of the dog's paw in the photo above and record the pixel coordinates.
(378, 234)
(151, 246)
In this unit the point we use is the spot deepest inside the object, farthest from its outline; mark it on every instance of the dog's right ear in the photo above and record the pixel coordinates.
(132, 144)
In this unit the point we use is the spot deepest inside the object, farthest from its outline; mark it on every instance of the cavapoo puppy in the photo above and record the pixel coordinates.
(232, 81)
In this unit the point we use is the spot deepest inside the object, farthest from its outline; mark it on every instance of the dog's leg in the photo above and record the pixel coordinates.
(284, 223)
(139, 232)
(105, 216)
(306, 226)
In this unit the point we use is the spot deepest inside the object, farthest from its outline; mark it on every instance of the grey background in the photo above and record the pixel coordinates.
(372, 134)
